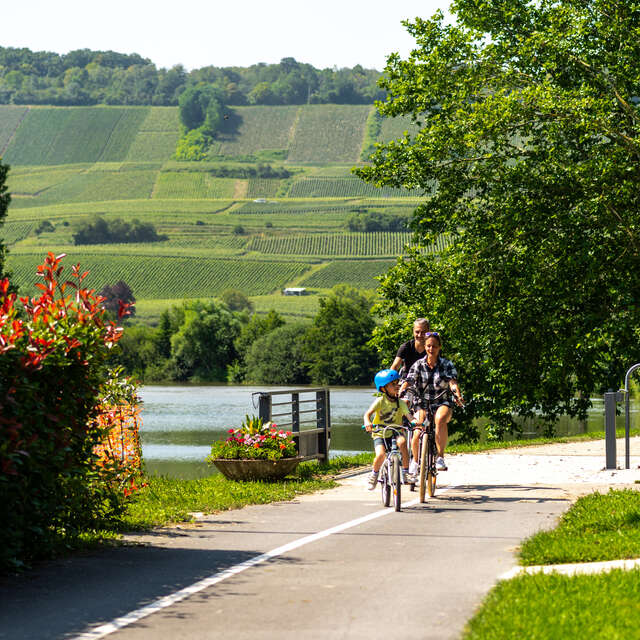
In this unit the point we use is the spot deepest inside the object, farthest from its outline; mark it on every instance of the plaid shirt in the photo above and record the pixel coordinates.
(426, 383)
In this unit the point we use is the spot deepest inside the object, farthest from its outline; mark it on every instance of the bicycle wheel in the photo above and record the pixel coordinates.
(424, 445)
(386, 486)
(431, 467)
(396, 482)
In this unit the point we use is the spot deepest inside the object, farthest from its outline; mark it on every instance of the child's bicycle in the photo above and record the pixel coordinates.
(390, 474)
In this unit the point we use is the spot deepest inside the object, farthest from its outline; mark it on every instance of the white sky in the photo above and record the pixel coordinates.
(197, 33)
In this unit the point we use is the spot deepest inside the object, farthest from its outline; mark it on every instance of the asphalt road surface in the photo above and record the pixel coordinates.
(419, 573)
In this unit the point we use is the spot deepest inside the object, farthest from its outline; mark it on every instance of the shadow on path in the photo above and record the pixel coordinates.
(64, 597)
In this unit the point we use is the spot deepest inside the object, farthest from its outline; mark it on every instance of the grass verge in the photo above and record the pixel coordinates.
(597, 527)
(166, 500)
(545, 607)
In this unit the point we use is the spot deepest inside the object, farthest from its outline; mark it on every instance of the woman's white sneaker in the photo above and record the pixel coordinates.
(440, 464)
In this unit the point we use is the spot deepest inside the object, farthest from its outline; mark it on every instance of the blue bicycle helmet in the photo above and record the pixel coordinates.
(384, 377)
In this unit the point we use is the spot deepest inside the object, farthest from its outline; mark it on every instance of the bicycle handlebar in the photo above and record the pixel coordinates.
(392, 427)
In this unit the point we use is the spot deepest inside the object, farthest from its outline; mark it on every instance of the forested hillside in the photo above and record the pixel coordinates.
(86, 77)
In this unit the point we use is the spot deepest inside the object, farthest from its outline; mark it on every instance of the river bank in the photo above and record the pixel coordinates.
(180, 422)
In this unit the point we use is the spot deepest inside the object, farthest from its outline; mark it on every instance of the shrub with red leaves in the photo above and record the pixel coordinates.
(53, 365)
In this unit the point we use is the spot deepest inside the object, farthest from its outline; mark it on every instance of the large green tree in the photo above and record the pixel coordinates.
(527, 144)
(336, 346)
(277, 357)
(203, 347)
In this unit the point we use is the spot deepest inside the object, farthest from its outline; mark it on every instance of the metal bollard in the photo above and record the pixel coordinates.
(611, 398)
(610, 429)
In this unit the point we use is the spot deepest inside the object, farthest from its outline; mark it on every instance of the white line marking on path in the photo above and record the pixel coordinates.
(173, 598)
(579, 568)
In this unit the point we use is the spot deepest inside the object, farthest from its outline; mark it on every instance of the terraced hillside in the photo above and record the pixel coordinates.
(228, 224)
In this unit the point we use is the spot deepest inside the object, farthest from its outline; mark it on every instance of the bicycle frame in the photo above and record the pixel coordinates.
(390, 474)
(428, 452)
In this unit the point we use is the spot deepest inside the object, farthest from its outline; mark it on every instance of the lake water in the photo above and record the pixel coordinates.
(179, 423)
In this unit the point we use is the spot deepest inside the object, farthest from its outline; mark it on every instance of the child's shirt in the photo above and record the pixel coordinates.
(388, 412)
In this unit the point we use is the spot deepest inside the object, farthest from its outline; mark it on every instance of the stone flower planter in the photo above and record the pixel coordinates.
(256, 469)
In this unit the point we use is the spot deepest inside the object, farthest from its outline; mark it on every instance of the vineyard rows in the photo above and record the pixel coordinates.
(156, 211)
(165, 119)
(253, 129)
(11, 232)
(189, 184)
(167, 277)
(345, 188)
(50, 135)
(256, 129)
(284, 206)
(96, 186)
(9, 119)
(123, 133)
(204, 239)
(153, 145)
(357, 273)
(262, 188)
(35, 182)
(344, 244)
(329, 133)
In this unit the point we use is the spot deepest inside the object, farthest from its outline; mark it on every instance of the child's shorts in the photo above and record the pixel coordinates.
(382, 441)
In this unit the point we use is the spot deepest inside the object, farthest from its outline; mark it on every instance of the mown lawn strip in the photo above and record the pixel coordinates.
(597, 527)
(546, 607)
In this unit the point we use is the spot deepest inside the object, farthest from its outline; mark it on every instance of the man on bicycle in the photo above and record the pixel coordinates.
(412, 350)
(387, 409)
(433, 380)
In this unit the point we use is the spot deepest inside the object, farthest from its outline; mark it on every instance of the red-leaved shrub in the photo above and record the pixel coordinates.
(54, 379)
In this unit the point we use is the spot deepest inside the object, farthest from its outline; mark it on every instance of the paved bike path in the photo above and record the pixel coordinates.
(443, 555)
(420, 572)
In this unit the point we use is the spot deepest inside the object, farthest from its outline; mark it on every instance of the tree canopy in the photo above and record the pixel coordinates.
(337, 344)
(85, 77)
(528, 133)
(116, 295)
(98, 230)
(203, 347)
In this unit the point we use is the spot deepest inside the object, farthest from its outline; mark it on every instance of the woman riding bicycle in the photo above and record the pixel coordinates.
(433, 381)
(387, 409)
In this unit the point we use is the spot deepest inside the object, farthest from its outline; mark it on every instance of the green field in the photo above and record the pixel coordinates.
(344, 188)
(258, 235)
(192, 185)
(254, 129)
(335, 244)
(58, 135)
(329, 133)
(11, 117)
(357, 273)
(168, 276)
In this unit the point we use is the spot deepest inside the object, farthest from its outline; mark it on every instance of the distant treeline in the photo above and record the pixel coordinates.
(116, 231)
(235, 171)
(86, 77)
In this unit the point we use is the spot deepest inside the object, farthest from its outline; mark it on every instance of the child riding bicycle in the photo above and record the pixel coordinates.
(387, 409)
